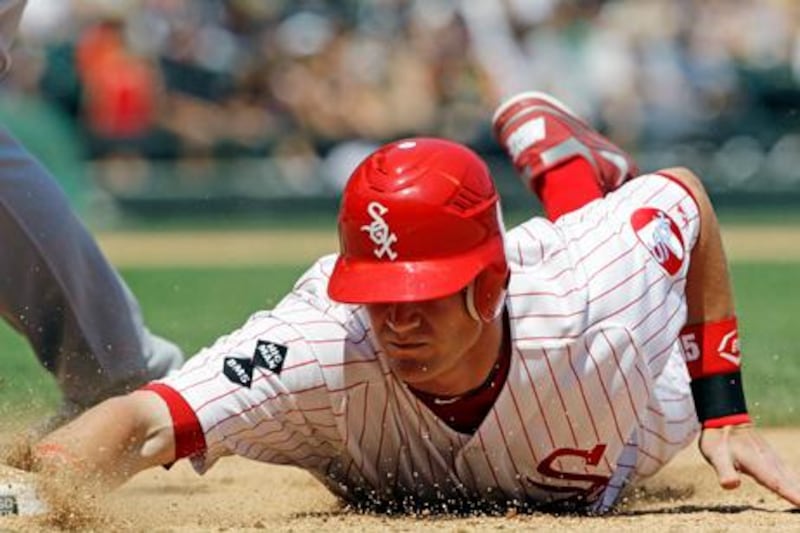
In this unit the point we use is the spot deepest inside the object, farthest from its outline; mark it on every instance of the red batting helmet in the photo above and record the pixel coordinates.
(420, 219)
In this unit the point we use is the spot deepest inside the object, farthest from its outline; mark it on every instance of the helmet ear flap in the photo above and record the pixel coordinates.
(486, 293)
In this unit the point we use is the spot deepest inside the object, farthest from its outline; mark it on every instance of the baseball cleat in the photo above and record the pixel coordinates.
(539, 133)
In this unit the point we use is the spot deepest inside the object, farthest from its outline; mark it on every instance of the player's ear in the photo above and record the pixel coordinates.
(485, 295)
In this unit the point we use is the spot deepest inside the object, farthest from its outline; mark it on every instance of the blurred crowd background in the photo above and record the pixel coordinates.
(253, 99)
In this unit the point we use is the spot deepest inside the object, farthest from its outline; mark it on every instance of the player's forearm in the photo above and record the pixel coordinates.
(710, 338)
(112, 441)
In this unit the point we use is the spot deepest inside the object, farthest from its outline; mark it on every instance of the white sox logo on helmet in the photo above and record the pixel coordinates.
(379, 231)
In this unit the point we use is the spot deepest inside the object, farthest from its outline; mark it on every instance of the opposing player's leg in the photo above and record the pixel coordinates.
(559, 157)
(58, 290)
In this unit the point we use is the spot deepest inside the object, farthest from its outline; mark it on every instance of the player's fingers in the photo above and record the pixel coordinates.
(764, 466)
(727, 475)
(722, 460)
(715, 447)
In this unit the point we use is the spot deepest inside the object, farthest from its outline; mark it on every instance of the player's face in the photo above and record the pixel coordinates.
(430, 344)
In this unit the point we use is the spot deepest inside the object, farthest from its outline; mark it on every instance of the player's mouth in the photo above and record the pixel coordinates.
(404, 348)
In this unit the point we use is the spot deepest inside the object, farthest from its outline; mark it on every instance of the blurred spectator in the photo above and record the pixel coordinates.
(119, 88)
(183, 79)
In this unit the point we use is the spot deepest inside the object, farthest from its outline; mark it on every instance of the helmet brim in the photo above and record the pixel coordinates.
(361, 281)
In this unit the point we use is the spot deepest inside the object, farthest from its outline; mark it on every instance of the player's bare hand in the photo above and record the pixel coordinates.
(733, 450)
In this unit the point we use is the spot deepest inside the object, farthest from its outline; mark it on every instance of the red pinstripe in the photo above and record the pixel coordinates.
(560, 397)
(624, 254)
(254, 406)
(538, 401)
(572, 268)
(662, 328)
(254, 429)
(212, 354)
(681, 398)
(617, 286)
(548, 293)
(286, 437)
(656, 307)
(420, 420)
(667, 349)
(593, 251)
(624, 377)
(605, 392)
(661, 437)
(260, 377)
(519, 474)
(689, 417)
(546, 315)
(275, 396)
(619, 310)
(309, 280)
(324, 341)
(288, 451)
(642, 376)
(651, 456)
(586, 403)
(383, 432)
(530, 235)
(617, 200)
(468, 466)
(351, 386)
(401, 431)
(348, 363)
(363, 424)
(486, 458)
(522, 422)
(305, 458)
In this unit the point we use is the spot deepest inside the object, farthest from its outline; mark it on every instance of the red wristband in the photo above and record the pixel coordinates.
(731, 420)
(711, 348)
(55, 453)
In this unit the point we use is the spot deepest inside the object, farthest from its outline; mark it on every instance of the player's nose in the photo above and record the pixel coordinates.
(403, 317)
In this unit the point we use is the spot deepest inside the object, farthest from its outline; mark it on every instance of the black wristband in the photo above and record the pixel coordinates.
(718, 396)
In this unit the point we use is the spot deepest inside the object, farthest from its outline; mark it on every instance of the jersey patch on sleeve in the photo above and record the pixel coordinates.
(270, 355)
(661, 236)
(238, 370)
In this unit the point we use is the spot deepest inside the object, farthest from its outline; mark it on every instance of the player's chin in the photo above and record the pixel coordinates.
(410, 369)
(413, 376)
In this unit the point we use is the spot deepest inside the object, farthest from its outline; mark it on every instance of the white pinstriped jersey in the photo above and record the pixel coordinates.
(597, 392)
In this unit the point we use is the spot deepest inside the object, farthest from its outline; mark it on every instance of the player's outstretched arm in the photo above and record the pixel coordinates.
(112, 441)
(729, 442)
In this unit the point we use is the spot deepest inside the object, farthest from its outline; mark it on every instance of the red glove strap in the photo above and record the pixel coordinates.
(711, 348)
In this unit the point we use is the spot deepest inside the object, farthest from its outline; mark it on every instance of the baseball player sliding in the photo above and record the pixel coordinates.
(440, 360)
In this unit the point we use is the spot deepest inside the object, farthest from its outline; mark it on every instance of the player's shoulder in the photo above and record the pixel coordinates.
(310, 292)
(532, 241)
(331, 329)
(546, 297)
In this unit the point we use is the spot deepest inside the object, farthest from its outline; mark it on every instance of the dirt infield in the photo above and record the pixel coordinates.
(239, 495)
(260, 247)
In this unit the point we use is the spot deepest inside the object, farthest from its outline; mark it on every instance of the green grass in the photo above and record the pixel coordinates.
(195, 306)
